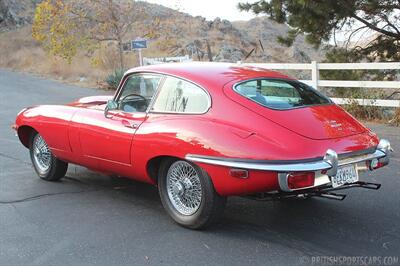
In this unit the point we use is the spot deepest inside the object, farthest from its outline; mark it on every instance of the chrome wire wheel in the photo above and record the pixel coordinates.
(184, 187)
(41, 154)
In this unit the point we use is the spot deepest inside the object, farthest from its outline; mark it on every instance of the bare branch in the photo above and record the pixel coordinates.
(353, 33)
(376, 28)
(386, 19)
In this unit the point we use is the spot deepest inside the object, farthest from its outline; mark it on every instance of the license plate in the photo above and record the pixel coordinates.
(345, 175)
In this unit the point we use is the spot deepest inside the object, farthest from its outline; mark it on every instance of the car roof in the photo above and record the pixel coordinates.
(210, 75)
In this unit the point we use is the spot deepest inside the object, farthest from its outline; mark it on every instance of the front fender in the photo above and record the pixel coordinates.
(50, 121)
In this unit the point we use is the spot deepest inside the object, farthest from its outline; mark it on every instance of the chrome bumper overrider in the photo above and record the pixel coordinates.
(330, 163)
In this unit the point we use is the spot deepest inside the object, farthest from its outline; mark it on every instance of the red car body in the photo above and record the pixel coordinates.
(233, 127)
(234, 134)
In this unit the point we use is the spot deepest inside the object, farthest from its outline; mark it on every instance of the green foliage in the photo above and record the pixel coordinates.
(115, 78)
(289, 39)
(341, 55)
(65, 27)
(54, 29)
(319, 21)
(338, 55)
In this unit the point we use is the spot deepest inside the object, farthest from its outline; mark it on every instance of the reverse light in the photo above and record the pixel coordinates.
(376, 164)
(299, 180)
(383, 146)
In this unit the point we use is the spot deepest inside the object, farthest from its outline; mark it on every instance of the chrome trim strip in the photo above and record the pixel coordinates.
(384, 146)
(330, 161)
(283, 182)
(295, 167)
(352, 160)
(332, 158)
(356, 153)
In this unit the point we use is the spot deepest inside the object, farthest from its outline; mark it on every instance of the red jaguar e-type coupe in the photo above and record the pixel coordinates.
(204, 131)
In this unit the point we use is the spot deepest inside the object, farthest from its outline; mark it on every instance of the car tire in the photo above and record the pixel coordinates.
(46, 165)
(190, 214)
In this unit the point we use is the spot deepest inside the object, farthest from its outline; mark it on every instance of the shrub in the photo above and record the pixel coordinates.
(369, 113)
(114, 79)
(364, 112)
(396, 119)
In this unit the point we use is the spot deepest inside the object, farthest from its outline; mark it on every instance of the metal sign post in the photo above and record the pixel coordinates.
(140, 57)
(139, 44)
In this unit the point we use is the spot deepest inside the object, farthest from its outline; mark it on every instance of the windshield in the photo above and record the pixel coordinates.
(280, 94)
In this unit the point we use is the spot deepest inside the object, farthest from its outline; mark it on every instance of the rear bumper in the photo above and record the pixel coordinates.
(326, 166)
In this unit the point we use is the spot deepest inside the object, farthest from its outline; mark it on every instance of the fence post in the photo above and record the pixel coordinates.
(314, 74)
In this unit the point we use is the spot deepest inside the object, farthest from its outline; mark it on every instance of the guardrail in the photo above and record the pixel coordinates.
(315, 67)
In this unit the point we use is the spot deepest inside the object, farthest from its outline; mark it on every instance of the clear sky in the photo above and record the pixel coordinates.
(210, 9)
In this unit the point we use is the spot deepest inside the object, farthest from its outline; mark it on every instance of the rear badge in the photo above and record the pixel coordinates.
(335, 124)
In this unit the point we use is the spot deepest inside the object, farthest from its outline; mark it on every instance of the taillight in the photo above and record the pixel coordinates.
(376, 164)
(300, 180)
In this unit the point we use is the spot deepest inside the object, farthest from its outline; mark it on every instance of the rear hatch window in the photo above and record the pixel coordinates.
(280, 94)
(295, 106)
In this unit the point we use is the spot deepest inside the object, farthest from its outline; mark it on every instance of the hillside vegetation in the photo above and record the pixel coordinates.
(177, 34)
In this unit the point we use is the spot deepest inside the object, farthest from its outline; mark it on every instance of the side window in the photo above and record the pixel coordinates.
(137, 92)
(179, 96)
(144, 85)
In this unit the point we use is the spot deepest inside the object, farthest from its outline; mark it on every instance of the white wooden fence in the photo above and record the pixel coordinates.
(315, 67)
(162, 60)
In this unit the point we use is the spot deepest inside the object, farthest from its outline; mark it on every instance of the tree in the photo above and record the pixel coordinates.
(320, 20)
(65, 27)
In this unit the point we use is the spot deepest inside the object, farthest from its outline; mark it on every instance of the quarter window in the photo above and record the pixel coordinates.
(179, 96)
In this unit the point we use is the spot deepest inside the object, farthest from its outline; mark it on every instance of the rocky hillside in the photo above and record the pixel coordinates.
(16, 13)
(228, 41)
(177, 34)
(220, 40)
(266, 31)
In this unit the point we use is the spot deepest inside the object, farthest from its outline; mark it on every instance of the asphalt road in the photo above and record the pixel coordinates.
(90, 219)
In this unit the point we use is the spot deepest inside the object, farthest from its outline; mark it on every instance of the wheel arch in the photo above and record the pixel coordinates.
(24, 134)
(153, 165)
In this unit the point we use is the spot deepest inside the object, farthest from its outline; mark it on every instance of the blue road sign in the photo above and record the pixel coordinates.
(139, 44)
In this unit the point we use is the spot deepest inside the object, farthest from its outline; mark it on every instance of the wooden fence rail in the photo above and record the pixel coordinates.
(317, 83)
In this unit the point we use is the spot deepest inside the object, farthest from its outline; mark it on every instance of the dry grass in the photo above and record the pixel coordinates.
(369, 113)
(19, 52)
(396, 119)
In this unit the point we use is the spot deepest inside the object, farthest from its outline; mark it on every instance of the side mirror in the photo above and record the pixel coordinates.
(111, 105)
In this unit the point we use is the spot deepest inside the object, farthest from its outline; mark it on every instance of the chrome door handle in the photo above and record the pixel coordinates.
(129, 124)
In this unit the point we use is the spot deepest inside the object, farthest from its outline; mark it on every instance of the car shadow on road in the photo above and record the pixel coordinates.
(312, 226)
